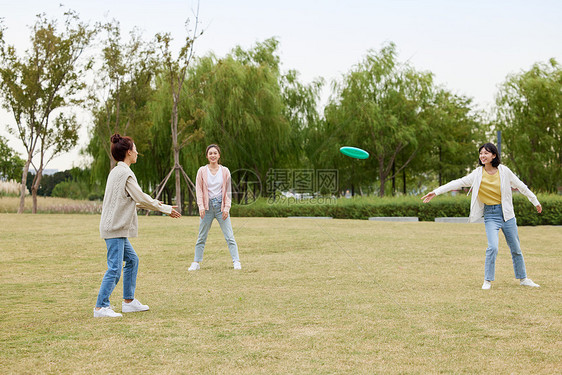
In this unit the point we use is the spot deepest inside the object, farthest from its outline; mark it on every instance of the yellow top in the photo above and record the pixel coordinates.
(490, 192)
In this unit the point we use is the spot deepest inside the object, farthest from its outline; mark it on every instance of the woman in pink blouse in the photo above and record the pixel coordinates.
(213, 189)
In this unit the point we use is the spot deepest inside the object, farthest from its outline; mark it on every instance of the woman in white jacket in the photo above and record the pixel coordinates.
(491, 185)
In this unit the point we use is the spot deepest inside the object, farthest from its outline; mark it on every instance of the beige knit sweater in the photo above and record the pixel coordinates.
(122, 197)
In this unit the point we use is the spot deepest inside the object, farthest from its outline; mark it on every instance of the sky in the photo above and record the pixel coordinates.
(470, 46)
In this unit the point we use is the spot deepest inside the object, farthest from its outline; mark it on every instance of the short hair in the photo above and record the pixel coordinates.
(120, 145)
(490, 147)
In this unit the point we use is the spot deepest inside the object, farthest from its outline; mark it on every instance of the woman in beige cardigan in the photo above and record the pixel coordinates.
(122, 197)
(213, 191)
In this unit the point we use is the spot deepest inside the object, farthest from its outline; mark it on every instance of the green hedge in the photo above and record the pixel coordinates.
(363, 208)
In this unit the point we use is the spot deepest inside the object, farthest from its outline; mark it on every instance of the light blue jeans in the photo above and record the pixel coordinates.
(493, 221)
(119, 250)
(214, 212)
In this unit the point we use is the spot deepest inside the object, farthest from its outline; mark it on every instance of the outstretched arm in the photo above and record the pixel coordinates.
(145, 201)
(465, 181)
(429, 196)
(523, 189)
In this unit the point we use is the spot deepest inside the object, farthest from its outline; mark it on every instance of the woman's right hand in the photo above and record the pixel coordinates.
(175, 214)
(202, 213)
(429, 196)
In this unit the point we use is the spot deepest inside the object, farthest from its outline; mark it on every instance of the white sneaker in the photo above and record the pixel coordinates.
(106, 312)
(133, 306)
(487, 285)
(237, 265)
(529, 282)
(194, 266)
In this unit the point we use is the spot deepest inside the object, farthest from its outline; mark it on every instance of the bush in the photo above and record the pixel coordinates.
(95, 197)
(527, 215)
(363, 208)
(71, 189)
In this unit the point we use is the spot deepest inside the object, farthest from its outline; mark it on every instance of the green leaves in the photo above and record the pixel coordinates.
(379, 106)
(47, 78)
(11, 164)
(243, 106)
(529, 113)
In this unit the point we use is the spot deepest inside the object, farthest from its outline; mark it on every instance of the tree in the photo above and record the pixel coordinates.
(121, 94)
(48, 182)
(301, 110)
(11, 164)
(243, 108)
(41, 85)
(158, 156)
(380, 107)
(175, 71)
(457, 129)
(529, 114)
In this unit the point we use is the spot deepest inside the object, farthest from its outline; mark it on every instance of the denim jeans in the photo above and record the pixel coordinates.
(493, 221)
(119, 250)
(214, 212)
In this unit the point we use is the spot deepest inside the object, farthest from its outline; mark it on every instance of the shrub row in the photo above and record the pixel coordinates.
(363, 208)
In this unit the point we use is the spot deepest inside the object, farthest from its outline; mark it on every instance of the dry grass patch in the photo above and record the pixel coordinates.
(51, 205)
(314, 296)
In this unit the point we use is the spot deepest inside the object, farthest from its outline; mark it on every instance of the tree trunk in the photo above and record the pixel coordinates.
(393, 178)
(176, 151)
(190, 203)
(404, 180)
(178, 189)
(24, 185)
(440, 175)
(34, 188)
(382, 177)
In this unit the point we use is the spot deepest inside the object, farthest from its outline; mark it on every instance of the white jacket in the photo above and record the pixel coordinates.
(508, 180)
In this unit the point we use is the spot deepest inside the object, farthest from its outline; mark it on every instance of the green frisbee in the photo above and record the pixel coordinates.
(354, 152)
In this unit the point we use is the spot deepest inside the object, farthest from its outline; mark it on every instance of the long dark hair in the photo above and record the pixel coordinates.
(120, 145)
(490, 147)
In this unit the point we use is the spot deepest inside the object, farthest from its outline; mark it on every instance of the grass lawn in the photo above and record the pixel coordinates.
(313, 297)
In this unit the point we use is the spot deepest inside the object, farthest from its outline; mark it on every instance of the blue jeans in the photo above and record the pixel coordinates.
(493, 221)
(119, 250)
(214, 212)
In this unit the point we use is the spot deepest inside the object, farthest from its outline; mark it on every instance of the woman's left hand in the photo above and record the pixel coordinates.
(224, 215)
(539, 208)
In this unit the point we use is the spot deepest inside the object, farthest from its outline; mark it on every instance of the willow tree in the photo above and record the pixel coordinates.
(529, 113)
(380, 105)
(457, 129)
(244, 110)
(42, 84)
(301, 110)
